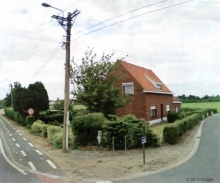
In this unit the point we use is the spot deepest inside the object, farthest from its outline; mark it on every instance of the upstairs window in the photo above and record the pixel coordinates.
(128, 88)
(159, 86)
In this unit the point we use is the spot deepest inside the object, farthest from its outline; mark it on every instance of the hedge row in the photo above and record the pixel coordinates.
(20, 119)
(54, 134)
(175, 130)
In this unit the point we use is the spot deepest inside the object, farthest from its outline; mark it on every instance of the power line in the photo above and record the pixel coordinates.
(134, 17)
(121, 16)
(49, 58)
(28, 37)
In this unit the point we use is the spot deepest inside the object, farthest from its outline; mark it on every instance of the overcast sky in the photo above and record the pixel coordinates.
(179, 41)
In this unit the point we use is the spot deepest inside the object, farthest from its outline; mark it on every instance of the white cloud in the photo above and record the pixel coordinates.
(180, 44)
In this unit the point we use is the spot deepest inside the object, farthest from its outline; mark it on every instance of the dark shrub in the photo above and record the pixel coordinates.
(86, 127)
(172, 117)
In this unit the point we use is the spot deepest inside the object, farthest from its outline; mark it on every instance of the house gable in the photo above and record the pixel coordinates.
(149, 82)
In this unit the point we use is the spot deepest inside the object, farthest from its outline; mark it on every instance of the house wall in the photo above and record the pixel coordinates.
(160, 101)
(176, 107)
(137, 103)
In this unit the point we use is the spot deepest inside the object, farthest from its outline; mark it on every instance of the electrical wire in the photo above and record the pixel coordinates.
(49, 58)
(153, 11)
(120, 16)
(28, 37)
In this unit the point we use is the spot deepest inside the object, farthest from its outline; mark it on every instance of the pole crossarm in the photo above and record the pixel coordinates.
(63, 21)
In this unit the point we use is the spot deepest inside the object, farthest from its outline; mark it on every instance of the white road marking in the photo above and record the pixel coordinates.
(18, 145)
(10, 134)
(13, 139)
(51, 164)
(6, 158)
(32, 165)
(23, 153)
(25, 139)
(39, 152)
(20, 134)
(30, 144)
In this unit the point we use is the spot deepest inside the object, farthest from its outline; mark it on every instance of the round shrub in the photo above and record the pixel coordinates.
(51, 131)
(36, 127)
(58, 140)
(44, 129)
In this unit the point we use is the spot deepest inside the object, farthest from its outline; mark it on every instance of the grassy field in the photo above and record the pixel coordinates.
(202, 105)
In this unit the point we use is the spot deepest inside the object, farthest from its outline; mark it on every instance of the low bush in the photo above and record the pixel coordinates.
(86, 127)
(44, 129)
(51, 118)
(131, 128)
(58, 140)
(171, 134)
(51, 131)
(36, 127)
(172, 117)
(29, 121)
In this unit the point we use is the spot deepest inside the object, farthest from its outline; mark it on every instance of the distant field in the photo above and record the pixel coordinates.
(202, 105)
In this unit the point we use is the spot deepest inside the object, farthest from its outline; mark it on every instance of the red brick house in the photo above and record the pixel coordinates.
(150, 97)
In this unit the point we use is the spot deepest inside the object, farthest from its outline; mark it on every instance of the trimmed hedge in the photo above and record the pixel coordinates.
(171, 133)
(51, 131)
(36, 127)
(57, 141)
(86, 127)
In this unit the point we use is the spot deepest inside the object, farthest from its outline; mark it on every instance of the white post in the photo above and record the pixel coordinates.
(67, 131)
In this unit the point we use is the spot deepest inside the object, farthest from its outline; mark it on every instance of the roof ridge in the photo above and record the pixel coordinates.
(134, 65)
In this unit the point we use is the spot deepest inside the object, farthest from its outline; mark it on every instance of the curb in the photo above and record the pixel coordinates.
(193, 151)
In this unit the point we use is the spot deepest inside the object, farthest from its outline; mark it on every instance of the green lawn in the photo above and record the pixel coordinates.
(202, 105)
(77, 107)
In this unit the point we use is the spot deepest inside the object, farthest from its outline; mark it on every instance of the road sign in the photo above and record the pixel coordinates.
(30, 111)
(143, 140)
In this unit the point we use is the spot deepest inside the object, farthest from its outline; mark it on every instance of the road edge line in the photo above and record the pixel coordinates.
(9, 162)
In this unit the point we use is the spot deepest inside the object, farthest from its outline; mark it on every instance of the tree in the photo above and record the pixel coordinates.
(96, 83)
(20, 99)
(37, 97)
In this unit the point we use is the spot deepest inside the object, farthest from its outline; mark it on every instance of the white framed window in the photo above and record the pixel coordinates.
(167, 108)
(128, 88)
(153, 111)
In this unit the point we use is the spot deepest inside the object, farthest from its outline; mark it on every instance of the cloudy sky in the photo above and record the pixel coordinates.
(178, 39)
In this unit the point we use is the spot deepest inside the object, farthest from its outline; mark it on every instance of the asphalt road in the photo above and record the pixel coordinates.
(203, 166)
(21, 161)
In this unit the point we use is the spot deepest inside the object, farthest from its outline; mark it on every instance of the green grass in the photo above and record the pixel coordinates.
(202, 105)
(77, 107)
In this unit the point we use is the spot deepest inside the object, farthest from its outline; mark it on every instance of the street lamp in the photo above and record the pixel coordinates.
(66, 23)
(49, 6)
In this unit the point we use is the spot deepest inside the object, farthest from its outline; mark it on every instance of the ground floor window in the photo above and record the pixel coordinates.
(167, 108)
(153, 110)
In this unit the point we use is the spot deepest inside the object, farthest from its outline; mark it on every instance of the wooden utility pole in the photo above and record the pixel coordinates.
(66, 23)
